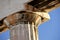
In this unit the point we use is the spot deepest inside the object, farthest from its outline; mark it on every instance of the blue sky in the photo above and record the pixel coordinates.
(49, 30)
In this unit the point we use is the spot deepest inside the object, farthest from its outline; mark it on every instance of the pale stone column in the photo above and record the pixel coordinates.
(23, 25)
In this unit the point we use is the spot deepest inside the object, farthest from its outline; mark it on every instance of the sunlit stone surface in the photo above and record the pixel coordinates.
(24, 25)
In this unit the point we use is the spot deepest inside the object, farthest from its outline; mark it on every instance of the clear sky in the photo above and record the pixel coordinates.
(49, 30)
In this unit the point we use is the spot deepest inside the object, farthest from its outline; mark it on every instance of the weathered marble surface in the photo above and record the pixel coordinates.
(24, 32)
(11, 6)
